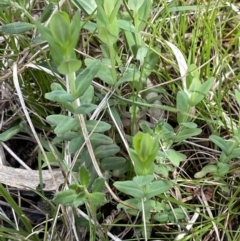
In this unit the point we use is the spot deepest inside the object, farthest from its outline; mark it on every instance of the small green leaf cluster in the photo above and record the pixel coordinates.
(230, 150)
(140, 14)
(78, 193)
(144, 153)
(197, 90)
(108, 31)
(143, 187)
(141, 10)
(107, 23)
(169, 215)
(62, 36)
(188, 99)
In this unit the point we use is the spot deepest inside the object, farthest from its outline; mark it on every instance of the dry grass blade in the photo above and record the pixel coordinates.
(20, 96)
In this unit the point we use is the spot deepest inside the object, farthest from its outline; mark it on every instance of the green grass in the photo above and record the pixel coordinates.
(206, 34)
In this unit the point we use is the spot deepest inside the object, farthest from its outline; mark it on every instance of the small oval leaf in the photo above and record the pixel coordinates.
(85, 109)
(106, 151)
(113, 163)
(98, 185)
(130, 188)
(65, 125)
(59, 96)
(84, 79)
(16, 28)
(69, 66)
(97, 126)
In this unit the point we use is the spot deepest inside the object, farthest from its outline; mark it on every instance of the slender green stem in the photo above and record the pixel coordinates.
(71, 81)
(112, 58)
(137, 35)
(92, 228)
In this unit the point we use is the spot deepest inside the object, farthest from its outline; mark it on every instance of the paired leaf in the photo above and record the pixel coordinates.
(135, 4)
(96, 198)
(143, 14)
(145, 146)
(85, 109)
(223, 168)
(158, 187)
(141, 168)
(69, 66)
(98, 185)
(198, 91)
(85, 78)
(106, 36)
(113, 163)
(59, 27)
(219, 141)
(187, 133)
(97, 126)
(175, 157)
(104, 72)
(86, 6)
(65, 197)
(63, 123)
(143, 186)
(143, 180)
(59, 96)
(131, 188)
(106, 151)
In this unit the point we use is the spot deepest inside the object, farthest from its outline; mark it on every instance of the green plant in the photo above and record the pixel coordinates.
(73, 124)
(78, 100)
(230, 150)
(78, 194)
(136, 48)
(143, 187)
(108, 30)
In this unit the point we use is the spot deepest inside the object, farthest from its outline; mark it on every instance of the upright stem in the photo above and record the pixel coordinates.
(112, 58)
(71, 82)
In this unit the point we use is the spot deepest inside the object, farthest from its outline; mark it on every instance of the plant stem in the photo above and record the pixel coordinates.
(70, 78)
(111, 53)
(90, 223)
